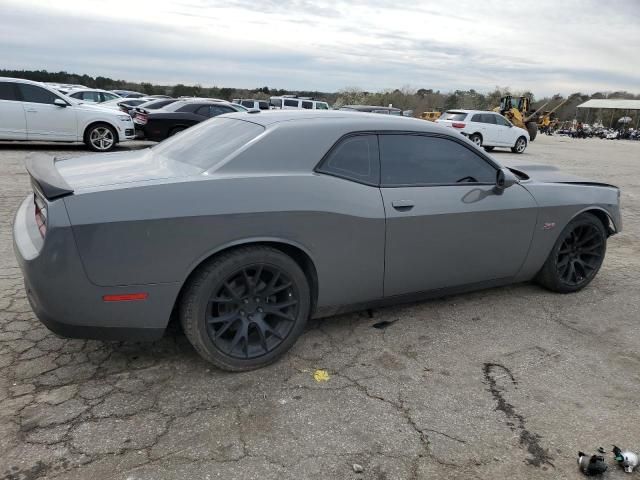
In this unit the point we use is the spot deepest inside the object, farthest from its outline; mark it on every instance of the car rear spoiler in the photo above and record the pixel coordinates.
(45, 175)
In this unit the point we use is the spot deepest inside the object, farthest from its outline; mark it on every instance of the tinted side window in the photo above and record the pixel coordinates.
(220, 109)
(478, 117)
(263, 105)
(291, 103)
(501, 121)
(355, 158)
(421, 160)
(307, 105)
(108, 96)
(204, 111)
(247, 103)
(322, 106)
(8, 91)
(33, 94)
(489, 118)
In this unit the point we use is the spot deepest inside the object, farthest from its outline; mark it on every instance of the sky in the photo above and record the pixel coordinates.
(544, 46)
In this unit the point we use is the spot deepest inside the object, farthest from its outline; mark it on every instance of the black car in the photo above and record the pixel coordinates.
(180, 115)
(128, 104)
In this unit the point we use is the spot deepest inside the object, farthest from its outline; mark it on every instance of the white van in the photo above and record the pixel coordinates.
(288, 103)
(252, 104)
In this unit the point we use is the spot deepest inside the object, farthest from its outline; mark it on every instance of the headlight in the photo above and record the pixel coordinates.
(124, 118)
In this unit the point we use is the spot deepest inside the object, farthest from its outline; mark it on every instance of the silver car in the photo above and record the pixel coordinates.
(249, 224)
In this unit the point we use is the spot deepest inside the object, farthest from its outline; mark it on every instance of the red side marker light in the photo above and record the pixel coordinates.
(125, 297)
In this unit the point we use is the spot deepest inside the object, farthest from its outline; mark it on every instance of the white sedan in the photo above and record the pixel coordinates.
(486, 129)
(33, 111)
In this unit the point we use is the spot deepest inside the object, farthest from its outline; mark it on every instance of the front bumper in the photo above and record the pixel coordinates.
(126, 131)
(62, 297)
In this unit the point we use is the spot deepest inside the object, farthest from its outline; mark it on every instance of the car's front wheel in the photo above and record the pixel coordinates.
(244, 309)
(520, 145)
(100, 137)
(576, 256)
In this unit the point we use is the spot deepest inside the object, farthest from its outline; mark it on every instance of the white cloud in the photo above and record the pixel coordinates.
(541, 45)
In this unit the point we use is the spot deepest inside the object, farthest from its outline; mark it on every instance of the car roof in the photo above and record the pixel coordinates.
(368, 108)
(352, 121)
(462, 110)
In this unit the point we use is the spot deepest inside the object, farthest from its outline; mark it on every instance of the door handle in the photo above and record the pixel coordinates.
(402, 205)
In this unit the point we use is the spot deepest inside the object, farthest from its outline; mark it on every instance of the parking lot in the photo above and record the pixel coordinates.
(503, 383)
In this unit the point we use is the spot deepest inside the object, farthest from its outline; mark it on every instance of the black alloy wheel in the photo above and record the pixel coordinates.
(252, 311)
(580, 254)
(577, 255)
(243, 309)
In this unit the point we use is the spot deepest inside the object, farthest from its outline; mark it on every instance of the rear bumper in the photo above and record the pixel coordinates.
(66, 302)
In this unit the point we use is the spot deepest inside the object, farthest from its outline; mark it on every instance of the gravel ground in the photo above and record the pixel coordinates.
(503, 383)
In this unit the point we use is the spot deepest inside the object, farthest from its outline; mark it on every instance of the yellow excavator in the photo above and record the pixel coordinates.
(430, 116)
(546, 119)
(518, 111)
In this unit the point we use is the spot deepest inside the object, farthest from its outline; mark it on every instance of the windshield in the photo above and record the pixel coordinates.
(209, 142)
(453, 116)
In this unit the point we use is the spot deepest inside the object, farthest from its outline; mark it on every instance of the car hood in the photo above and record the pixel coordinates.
(121, 167)
(548, 174)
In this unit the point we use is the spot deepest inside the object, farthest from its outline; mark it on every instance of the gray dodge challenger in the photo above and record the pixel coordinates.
(247, 225)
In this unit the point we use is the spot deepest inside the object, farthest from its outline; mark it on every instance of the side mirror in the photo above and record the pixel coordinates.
(504, 179)
(60, 103)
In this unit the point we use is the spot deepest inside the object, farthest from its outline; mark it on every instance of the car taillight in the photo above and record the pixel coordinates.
(141, 118)
(41, 214)
(458, 125)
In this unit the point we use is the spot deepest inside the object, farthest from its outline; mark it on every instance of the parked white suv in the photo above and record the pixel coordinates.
(33, 111)
(93, 95)
(486, 129)
(290, 103)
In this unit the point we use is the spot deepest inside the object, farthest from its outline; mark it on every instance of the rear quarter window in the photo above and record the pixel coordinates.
(8, 91)
(354, 158)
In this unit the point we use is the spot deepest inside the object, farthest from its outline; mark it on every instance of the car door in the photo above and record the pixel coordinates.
(45, 120)
(13, 123)
(505, 130)
(491, 129)
(477, 124)
(447, 226)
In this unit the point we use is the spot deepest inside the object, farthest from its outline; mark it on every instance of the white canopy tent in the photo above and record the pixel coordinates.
(612, 104)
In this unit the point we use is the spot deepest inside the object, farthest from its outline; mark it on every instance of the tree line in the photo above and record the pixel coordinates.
(406, 98)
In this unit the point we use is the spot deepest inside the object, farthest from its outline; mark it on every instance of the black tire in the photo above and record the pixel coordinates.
(489, 149)
(476, 138)
(176, 130)
(520, 145)
(532, 128)
(588, 235)
(100, 137)
(258, 320)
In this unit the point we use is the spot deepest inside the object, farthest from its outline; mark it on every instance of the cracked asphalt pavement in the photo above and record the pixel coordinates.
(503, 383)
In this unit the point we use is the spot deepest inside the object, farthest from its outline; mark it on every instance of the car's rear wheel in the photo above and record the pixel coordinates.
(576, 256)
(476, 138)
(244, 309)
(100, 137)
(520, 145)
